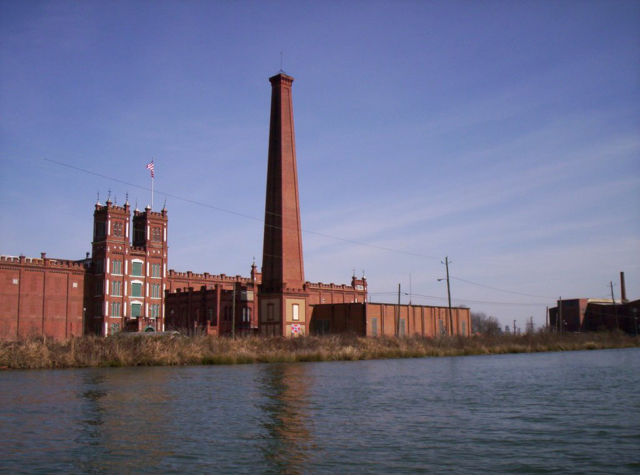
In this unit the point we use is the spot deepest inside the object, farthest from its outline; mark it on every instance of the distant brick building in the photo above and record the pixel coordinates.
(124, 285)
(591, 315)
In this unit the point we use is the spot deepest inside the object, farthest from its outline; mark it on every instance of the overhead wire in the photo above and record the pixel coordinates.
(513, 304)
(224, 210)
(501, 290)
(328, 236)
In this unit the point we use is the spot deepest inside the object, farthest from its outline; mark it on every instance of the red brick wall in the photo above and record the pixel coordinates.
(40, 297)
(360, 319)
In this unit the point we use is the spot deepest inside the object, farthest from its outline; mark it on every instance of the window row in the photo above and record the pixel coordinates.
(295, 312)
(136, 289)
(136, 268)
(136, 310)
(100, 229)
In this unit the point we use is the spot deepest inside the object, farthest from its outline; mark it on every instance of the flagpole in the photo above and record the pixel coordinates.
(150, 167)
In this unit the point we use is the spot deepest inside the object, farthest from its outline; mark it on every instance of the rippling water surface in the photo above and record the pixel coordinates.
(575, 412)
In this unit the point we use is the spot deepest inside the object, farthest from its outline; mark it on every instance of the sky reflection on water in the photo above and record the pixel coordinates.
(555, 412)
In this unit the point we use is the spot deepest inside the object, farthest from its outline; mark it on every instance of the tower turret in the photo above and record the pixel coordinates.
(105, 297)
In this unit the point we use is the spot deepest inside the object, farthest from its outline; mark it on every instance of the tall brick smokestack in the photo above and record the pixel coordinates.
(283, 298)
(623, 289)
(282, 261)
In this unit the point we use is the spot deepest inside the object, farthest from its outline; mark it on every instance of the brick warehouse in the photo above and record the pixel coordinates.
(125, 285)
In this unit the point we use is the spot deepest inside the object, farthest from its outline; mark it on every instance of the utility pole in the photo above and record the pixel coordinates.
(446, 262)
(398, 312)
(233, 312)
(615, 311)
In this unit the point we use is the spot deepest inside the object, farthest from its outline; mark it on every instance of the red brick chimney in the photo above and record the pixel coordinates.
(282, 261)
(283, 299)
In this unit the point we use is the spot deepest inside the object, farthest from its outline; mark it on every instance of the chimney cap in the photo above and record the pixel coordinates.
(280, 78)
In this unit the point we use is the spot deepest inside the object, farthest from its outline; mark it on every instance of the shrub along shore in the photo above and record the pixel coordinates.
(127, 350)
(92, 351)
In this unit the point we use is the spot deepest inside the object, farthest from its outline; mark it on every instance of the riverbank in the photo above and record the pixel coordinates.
(40, 353)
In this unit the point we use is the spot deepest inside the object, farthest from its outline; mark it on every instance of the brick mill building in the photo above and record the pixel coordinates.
(125, 284)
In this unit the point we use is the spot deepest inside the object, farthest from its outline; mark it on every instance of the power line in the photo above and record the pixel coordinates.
(501, 290)
(512, 304)
(217, 208)
(328, 236)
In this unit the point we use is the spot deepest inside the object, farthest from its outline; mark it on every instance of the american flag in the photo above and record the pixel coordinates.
(150, 167)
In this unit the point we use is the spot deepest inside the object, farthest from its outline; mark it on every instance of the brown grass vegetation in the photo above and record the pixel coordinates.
(200, 349)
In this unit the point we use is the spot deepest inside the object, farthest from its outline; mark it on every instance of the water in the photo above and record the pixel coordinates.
(575, 412)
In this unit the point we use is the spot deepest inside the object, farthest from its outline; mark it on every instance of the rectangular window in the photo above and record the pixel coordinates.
(98, 309)
(136, 268)
(155, 270)
(99, 287)
(116, 309)
(114, 328)
(374, 327)
(155, 310)
(117, 229)
(116, 267)
(99, 266)
(295, 314)
(116, 288)
(270, 312)
(136, 290)
(135, 310)
(155, 291)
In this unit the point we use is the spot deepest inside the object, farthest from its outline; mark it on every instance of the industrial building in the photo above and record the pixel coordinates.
(590, 315)
(125, 283)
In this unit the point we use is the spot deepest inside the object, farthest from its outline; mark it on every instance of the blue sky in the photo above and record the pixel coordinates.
(505, 135)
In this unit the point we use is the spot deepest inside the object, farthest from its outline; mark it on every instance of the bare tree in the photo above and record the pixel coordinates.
(486, 325)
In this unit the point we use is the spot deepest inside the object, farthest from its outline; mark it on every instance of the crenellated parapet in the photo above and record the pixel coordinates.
(44, 261)
(206, 277)
(332, 286)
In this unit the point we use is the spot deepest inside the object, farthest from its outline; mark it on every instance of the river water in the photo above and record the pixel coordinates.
(576, 412)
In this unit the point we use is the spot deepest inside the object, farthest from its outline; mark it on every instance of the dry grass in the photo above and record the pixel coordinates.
(162, 351)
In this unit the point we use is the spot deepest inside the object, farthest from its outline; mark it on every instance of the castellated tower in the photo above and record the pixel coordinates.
(127, 288)
(283, 294)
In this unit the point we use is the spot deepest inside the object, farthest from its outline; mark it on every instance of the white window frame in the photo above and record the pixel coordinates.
(136, 302)
(141, 288)
(295, 312)
(138, 261)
